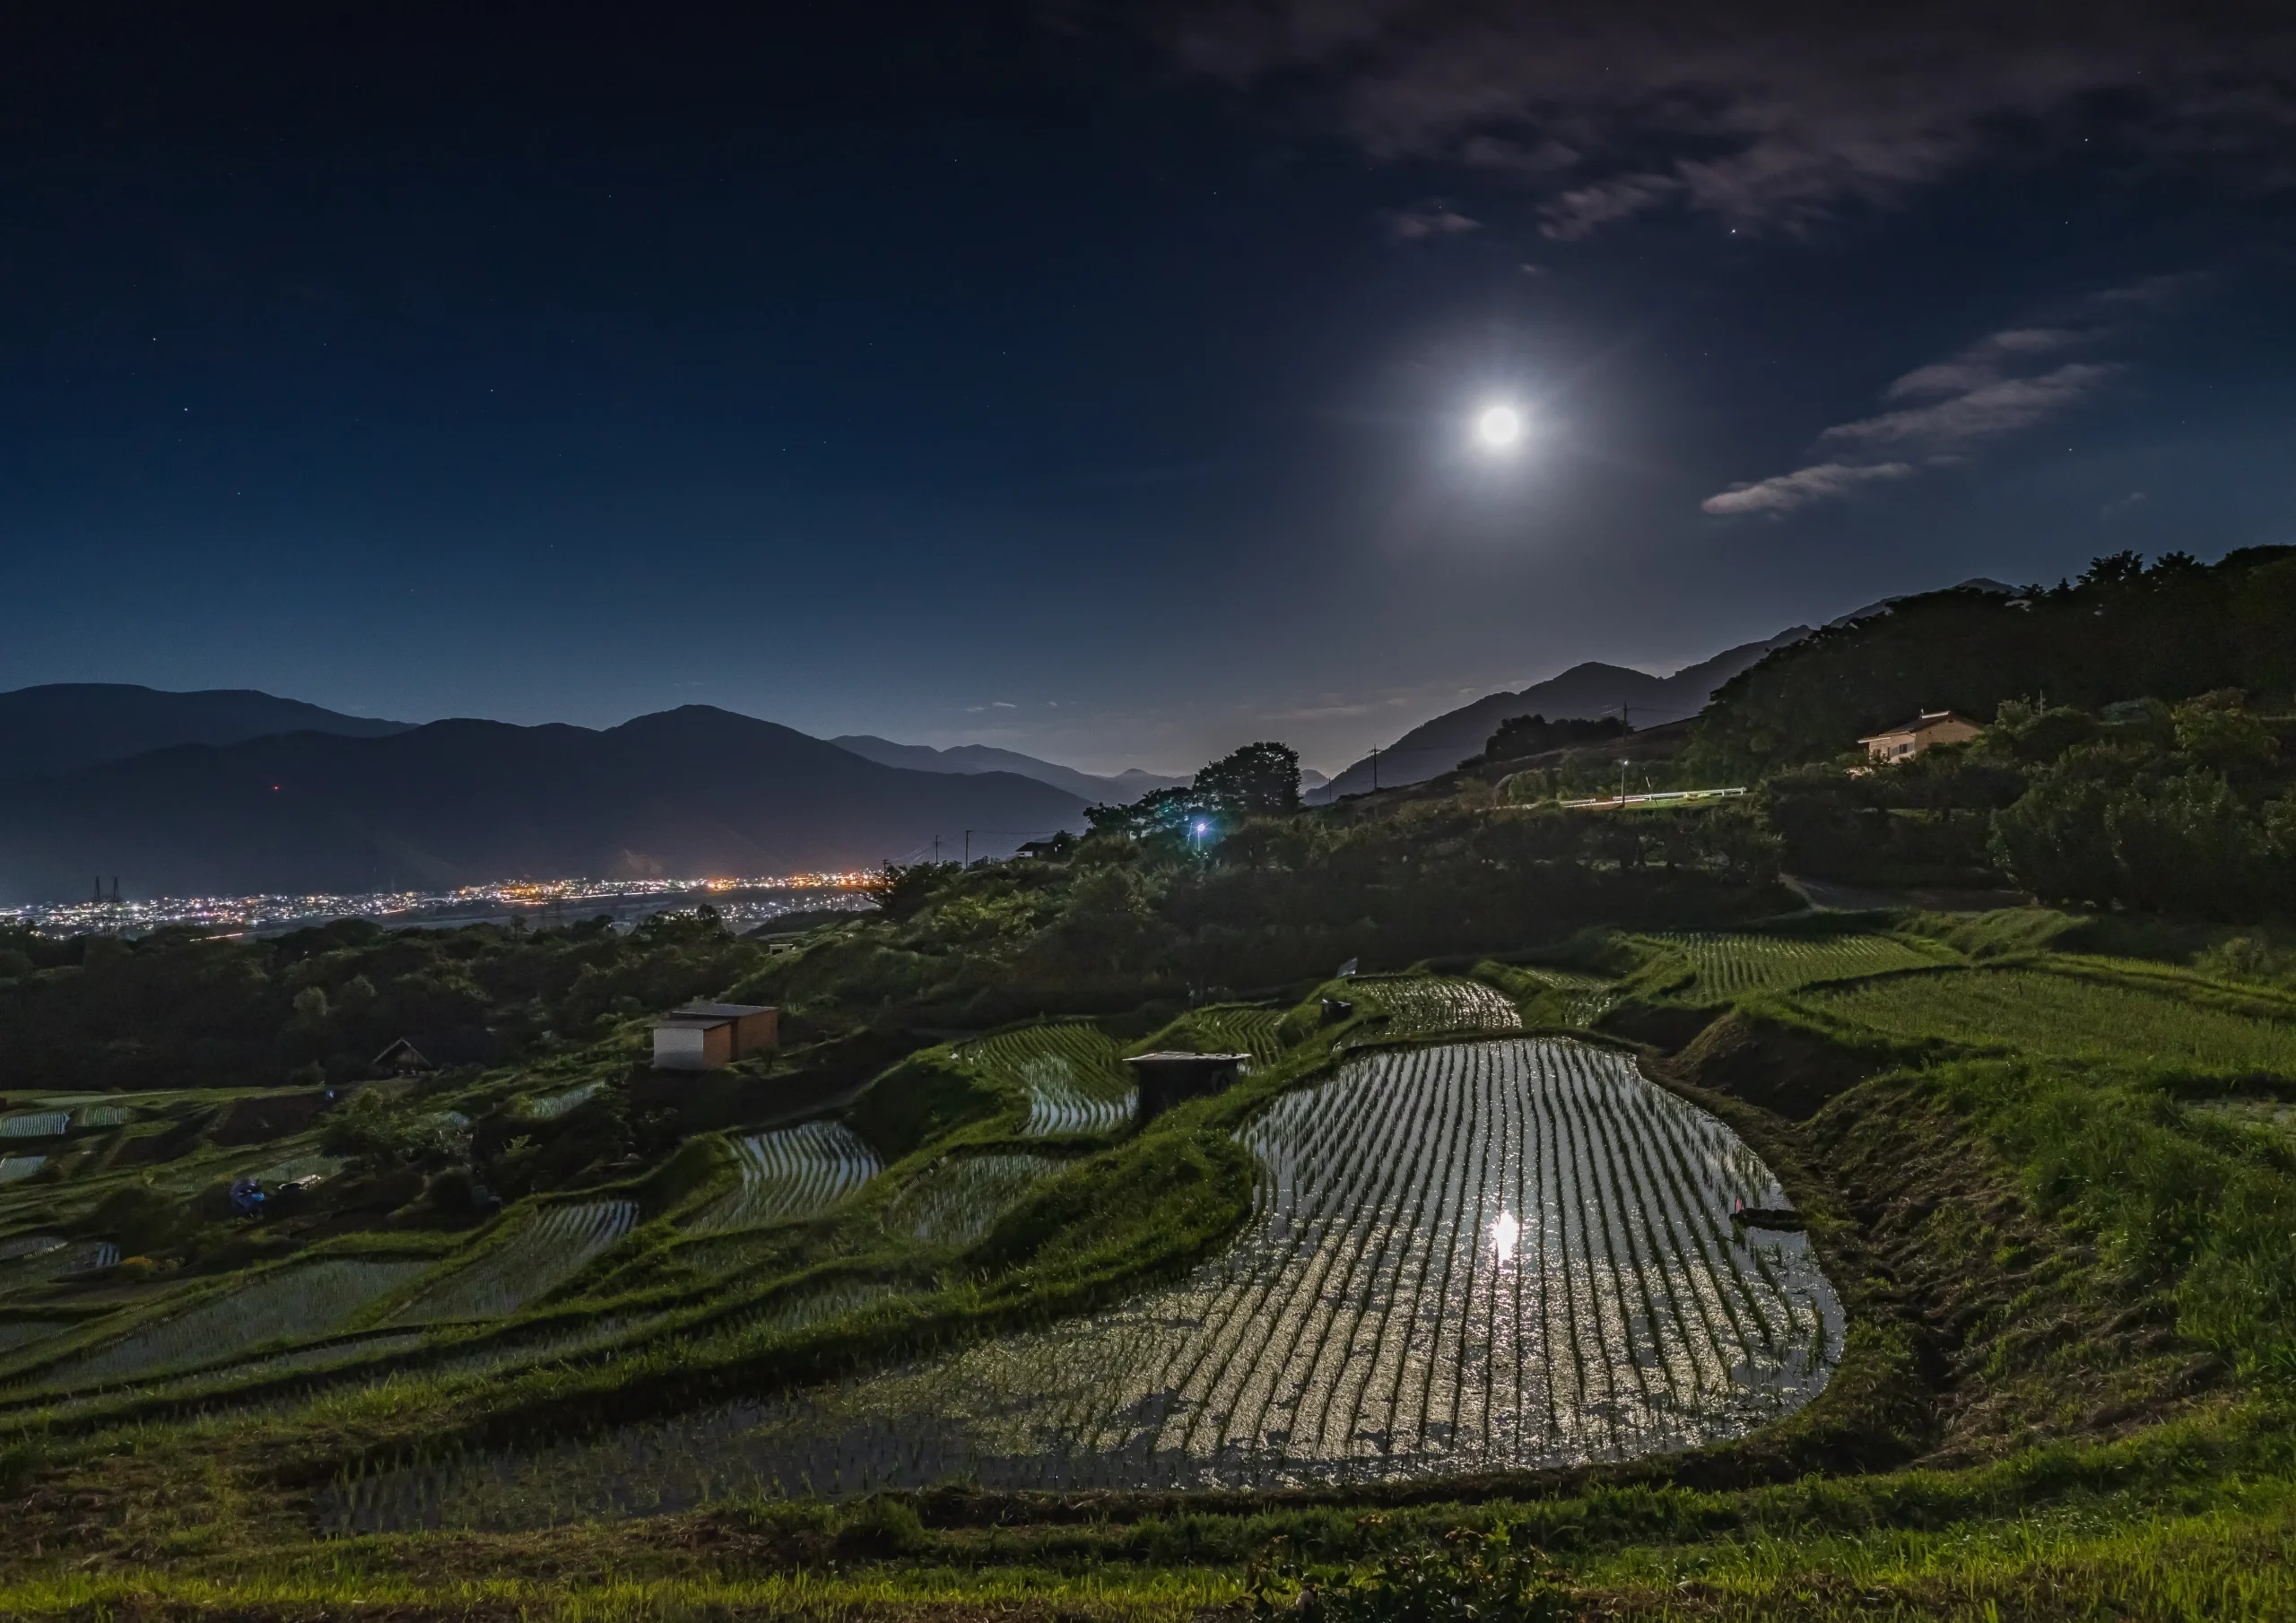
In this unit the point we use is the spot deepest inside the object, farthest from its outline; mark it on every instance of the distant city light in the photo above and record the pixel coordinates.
(470, 903)
(1498, 428)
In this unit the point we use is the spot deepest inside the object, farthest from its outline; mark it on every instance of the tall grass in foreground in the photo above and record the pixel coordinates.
(2227, 1566)
(292, 1591)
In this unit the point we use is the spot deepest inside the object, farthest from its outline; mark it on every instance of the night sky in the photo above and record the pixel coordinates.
(1096, 381)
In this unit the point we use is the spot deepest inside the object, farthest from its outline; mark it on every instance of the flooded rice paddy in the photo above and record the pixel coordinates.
(1503, 1253)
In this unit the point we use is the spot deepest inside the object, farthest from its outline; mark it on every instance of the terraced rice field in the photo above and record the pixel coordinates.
(798, 1310)
(294, 1303)
(48, 1256)
(553, 1245)
(1241, 1031)
(1428, 1005)
(23, 1332)
(959, 1198)
(14, 1168)
(1584, 998)
(1502, 1253)
(2065, 1014)
(1073, 1077)
(793, 1172)
(104, 1115)
(550, 1107)
(295, 1167)
(1726, 965)
(36, 1124)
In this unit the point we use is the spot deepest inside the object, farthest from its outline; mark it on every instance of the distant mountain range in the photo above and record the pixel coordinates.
(64, 725)
(1590, 689)
(687, 792)
(1125, 787)
(1582, 692)
(233, 791)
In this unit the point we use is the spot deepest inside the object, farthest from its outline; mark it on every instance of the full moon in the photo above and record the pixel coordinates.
(1498, 428)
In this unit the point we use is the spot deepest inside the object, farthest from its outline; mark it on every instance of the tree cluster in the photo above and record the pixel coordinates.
(1131, 917)
(176, 1008)
(1258, 780)
(2172, 631)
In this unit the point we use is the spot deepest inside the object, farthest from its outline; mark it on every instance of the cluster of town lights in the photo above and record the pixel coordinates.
(238, 914)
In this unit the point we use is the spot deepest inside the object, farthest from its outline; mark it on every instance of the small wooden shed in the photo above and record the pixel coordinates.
(702, 1037)
(1167, 1077)
(402, 1058)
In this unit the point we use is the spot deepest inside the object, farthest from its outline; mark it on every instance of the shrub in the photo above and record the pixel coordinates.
(1469, 1576)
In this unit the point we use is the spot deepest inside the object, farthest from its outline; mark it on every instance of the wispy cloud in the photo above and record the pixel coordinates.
(2002, 384)
(1783, 493)
(1984, 408)
(1437, 219)
(1982, 362)
(1768, 113)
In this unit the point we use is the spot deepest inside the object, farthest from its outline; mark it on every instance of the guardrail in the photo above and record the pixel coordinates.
(1669, 797)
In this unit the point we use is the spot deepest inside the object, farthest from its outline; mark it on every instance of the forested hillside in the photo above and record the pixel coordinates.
(2122, 631)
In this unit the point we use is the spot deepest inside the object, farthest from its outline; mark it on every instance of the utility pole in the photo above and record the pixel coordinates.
(1375, 765)
(967, 847)
(1621, 783)
(937, 850)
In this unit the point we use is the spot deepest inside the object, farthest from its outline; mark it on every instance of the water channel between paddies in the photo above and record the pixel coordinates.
(1484, 1255)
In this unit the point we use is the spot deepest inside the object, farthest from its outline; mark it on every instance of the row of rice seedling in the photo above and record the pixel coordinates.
(294, 1303)
(26, 1333)
(23, 1332)
(1581, 999)
(959, 1198)
(1498, 1255)
(798, 1310)
(1240, 1030)
(1073, 1074)
(551, 1247)
(2065, 1014)
(52, 1256)
(525, 1350)
(372, 1502)
(1730, 964)
(550, 1107)
(1431, 1005)
(2249, 1112)
(36, 1124)
(307, 1164)
(793, 1172)
(103, 1115)
(15, 1168)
